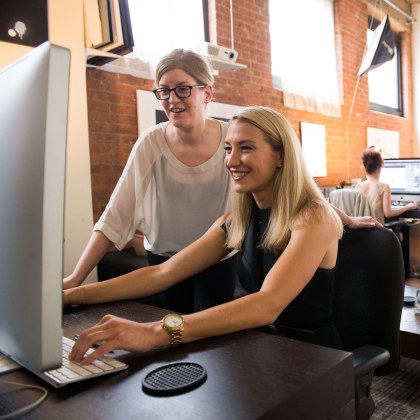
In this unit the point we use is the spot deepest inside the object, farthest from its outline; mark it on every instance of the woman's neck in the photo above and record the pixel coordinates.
(374, 177)
(188, 135)
(196, 145)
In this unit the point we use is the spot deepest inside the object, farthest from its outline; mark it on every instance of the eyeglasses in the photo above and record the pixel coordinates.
(180, 91)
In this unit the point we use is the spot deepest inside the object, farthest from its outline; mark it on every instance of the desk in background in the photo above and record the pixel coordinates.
(250, 375)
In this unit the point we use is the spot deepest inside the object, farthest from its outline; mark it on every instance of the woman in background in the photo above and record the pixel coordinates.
(287, 235)
(377, 192)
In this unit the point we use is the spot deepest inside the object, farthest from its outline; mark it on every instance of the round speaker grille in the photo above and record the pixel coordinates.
(174, 378)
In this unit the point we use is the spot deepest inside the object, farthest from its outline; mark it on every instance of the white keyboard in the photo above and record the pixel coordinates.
(71, 372)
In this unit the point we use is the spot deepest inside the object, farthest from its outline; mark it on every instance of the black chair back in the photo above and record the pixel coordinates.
(369, 291)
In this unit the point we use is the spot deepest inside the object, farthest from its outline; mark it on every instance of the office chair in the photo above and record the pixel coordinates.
(369, 290)
(354, 203)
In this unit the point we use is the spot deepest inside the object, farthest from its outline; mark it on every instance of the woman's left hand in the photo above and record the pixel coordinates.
(113, 333)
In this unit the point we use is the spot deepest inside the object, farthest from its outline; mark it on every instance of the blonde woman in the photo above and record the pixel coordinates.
(287, 236)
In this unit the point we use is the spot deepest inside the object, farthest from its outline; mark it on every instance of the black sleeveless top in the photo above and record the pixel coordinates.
(309, 316)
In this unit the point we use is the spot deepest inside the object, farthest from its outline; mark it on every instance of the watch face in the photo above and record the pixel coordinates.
(173, 321)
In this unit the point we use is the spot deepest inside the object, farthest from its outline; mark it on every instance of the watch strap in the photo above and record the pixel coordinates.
(175, 337)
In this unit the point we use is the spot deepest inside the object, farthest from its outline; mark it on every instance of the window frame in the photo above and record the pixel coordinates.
(374, 106)
(124, 46)
(206, 20)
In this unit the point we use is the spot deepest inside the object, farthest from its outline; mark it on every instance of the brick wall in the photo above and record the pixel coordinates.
(112, 97)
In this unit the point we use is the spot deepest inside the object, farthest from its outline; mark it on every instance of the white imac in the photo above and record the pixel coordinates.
(33, 133)
(403, 176)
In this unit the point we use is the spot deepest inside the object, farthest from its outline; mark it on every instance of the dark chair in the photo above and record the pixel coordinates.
(368, 301)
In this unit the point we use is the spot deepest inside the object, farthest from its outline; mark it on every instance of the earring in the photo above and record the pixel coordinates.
(279, 165)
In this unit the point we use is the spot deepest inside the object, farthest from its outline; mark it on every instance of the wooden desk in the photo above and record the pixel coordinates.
(250, 375)
(410, 327)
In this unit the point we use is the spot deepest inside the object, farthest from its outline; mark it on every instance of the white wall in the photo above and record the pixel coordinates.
(66, 29)
(415, 40)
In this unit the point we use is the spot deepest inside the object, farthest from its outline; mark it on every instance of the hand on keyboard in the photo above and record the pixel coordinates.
(117, 333)
(72, 372)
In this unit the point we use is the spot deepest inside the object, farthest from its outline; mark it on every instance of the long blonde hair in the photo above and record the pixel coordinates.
(295, 193)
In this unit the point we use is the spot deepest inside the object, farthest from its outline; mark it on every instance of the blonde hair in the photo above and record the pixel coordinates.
(295, 193)
(188, 61)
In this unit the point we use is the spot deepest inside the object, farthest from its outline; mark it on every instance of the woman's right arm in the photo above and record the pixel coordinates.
(386, 202)
(96, 248)
(201, 254)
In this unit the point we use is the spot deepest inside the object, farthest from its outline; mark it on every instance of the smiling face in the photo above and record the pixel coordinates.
(251, 161)
(184, 112)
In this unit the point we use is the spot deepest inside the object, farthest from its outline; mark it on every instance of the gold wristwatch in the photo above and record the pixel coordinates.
(173, 324)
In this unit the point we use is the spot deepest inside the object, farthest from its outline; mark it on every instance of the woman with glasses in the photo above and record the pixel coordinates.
(173, 187)
(285, 231)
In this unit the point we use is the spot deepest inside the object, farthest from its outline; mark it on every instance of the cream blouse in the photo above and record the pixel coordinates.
(171, 203)
(374, 192)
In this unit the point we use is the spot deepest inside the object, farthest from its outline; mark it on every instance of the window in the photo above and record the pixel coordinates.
(385, 81)
(153, 27)
(303, 54)
(107, 28)
(159, 26)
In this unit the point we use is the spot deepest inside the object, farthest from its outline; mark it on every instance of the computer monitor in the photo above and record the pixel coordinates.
(402, 175)
(33, 132)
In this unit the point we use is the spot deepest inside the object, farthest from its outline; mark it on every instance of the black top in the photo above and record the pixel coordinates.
(309, 316)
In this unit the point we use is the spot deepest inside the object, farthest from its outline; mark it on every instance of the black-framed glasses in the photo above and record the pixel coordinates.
(180, 91)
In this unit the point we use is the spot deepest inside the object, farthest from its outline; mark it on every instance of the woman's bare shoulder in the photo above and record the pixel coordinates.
(316, 212)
